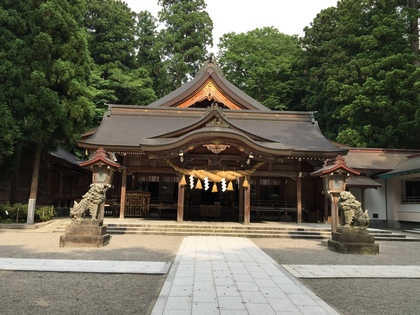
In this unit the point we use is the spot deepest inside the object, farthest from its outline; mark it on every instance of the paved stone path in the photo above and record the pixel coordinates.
(228, 275)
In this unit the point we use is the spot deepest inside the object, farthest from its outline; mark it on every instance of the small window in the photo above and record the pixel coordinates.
(411, 191)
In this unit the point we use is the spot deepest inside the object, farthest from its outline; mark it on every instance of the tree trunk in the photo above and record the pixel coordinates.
(15, 176)
(34, 185)
(414, 29)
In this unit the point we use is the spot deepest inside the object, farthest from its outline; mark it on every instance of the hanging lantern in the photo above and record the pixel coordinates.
(183, 182)
(245, 183)
(230, 186)
(214, 189)
(198, 186)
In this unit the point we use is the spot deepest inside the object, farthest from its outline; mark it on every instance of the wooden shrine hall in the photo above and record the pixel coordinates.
(208, 151)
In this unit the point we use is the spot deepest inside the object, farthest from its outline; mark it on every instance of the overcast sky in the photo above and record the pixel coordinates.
(241, 16)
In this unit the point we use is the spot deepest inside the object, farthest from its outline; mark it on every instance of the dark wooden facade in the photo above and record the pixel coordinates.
(61, 180)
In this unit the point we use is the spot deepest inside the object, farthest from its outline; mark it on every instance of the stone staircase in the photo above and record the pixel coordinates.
(413, 231)
(251, 231)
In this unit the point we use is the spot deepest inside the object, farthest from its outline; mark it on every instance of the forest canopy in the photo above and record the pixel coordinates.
(357, 67)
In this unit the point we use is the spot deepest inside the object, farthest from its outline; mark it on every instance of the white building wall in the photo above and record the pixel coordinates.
(374, 199)
(375, 202)
(409, 212)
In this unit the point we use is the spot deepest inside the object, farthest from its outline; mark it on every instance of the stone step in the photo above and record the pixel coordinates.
(234, 234)
(413, 231)
(218, 227)
(239, 231)
(210, 229)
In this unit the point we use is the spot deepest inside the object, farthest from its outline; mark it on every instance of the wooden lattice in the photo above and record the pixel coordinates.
(137, 204)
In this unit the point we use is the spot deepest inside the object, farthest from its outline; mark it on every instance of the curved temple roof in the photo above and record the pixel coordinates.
(174, 122)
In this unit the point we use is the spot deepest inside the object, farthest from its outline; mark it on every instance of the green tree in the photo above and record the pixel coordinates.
(362, 74)
(149, 50)
(260, 63)
(185, 38)
(12, 28)
(112, 44)
(51, 103)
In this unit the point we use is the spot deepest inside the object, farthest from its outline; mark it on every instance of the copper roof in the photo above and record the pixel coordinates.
(209, 71)
(361, 181)
(376, 161)
(162, 126)
(137, 128)
(407, 167)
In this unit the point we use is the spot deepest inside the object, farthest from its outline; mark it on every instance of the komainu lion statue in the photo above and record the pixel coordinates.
(91, 200)
(351, 212)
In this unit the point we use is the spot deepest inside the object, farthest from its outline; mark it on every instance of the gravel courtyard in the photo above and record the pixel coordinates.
(89, 293)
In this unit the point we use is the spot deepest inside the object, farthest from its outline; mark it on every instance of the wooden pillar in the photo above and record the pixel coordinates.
(241, 201)
(181, 196)
(362, 193)
(123, 193)
(299, 199)
(326, 202)
(247, 203)
(101, 211)
(299, 191)
(334, 211)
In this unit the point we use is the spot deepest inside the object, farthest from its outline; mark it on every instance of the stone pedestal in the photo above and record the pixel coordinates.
(353, 241)
(86, 233)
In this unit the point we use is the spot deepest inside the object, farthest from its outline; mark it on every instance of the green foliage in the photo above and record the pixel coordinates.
(149, 50)
(117, 77)
(187, 33)
(17, 213)
(362, 74)
(260, 63)
(44, 213)
(46, 92)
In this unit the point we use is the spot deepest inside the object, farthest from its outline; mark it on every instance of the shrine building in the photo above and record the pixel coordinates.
(208, 151)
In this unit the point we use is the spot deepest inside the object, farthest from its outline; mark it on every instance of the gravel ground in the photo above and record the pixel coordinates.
(355, 296)
(33, 293)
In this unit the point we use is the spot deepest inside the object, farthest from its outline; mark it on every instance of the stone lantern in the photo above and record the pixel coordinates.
(347, 237)
(103, 168)
(91, 232)
(334, 174)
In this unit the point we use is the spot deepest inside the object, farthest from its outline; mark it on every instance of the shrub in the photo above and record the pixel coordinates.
(18, 212)
(44, 213)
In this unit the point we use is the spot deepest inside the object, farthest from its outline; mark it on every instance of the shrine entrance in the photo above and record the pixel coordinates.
(208, 151)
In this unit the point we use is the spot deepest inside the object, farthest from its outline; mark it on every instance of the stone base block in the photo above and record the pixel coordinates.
(86, 233)
(362, 236)
(84, 240)
(353, 248)
(353, 241)
(77, 229)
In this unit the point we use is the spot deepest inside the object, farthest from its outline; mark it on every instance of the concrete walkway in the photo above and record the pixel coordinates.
(92, 266)
(227, 275)
(353, 271)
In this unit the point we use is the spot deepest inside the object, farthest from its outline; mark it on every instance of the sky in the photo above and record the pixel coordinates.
(241, 16)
